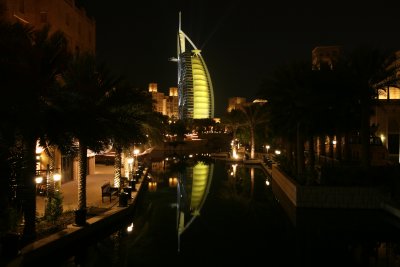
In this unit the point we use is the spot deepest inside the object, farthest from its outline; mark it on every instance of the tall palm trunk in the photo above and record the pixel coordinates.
(117, 167)
(311, 160)
(339, 146)
(50, 151)
(29, 190)
(322, 148)
(80, 214)
(251, 183)
(346, 149)
(299, 152)
(365, 136)
(252, 142)
(330, 148)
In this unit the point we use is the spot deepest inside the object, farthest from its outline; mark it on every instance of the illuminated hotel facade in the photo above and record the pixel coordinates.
(195, 90)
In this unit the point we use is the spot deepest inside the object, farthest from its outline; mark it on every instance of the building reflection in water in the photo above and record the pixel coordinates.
(192, 189)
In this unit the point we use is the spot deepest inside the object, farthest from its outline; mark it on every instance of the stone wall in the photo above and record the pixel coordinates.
(329, 197)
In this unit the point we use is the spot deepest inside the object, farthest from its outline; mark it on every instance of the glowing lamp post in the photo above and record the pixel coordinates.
(267, 147)
(135, 154)
(38, 181)
(57, 180)
(130, 161)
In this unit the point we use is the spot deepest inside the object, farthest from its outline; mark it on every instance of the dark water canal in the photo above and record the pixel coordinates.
(212, 213)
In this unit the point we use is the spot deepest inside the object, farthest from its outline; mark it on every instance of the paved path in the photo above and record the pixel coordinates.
(69, 190)
(66, 237)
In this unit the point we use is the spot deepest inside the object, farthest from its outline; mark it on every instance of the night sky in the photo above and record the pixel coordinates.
(241, 41)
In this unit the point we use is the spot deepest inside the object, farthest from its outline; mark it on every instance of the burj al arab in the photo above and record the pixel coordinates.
(195, 90)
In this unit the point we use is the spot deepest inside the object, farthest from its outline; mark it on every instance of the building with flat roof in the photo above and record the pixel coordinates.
(165, 104)
(325, 56)
(63, 15)
(235, 102)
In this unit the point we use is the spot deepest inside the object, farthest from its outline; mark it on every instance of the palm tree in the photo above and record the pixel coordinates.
(254, 114)
(132, 121)
(370, 69)
(233, 120)
(294, 103)
(88, 86)
(30, 62)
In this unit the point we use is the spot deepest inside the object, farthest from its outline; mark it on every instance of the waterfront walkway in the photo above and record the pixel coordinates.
(69, 190)
(72, 234)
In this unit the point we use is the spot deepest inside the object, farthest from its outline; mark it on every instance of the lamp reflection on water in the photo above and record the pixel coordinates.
(172, 181)
(152, 186)
(234, 167)
(130, 228)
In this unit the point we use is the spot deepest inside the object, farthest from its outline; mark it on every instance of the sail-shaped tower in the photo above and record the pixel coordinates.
(195, 90)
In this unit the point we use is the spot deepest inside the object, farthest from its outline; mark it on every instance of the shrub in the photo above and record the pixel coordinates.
(54, 207)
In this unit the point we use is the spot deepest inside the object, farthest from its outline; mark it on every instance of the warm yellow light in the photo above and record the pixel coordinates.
(152, 186)
(136, 152)
(39, 149)
(234, 167)
(278, 152)
(173, 181)
(130, 228)
(38, 179)
(383, 138)
(57, 177)
(199, 184)
(130, 160)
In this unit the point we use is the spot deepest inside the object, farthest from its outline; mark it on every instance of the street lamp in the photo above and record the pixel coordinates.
(57, 181)
(130, 161)
(135, 153)
(267, 147)
(39, 181)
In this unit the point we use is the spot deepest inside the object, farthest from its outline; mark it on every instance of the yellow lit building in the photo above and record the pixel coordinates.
(172, 103)
(166, 105)
(195, 90)
(235, 103)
